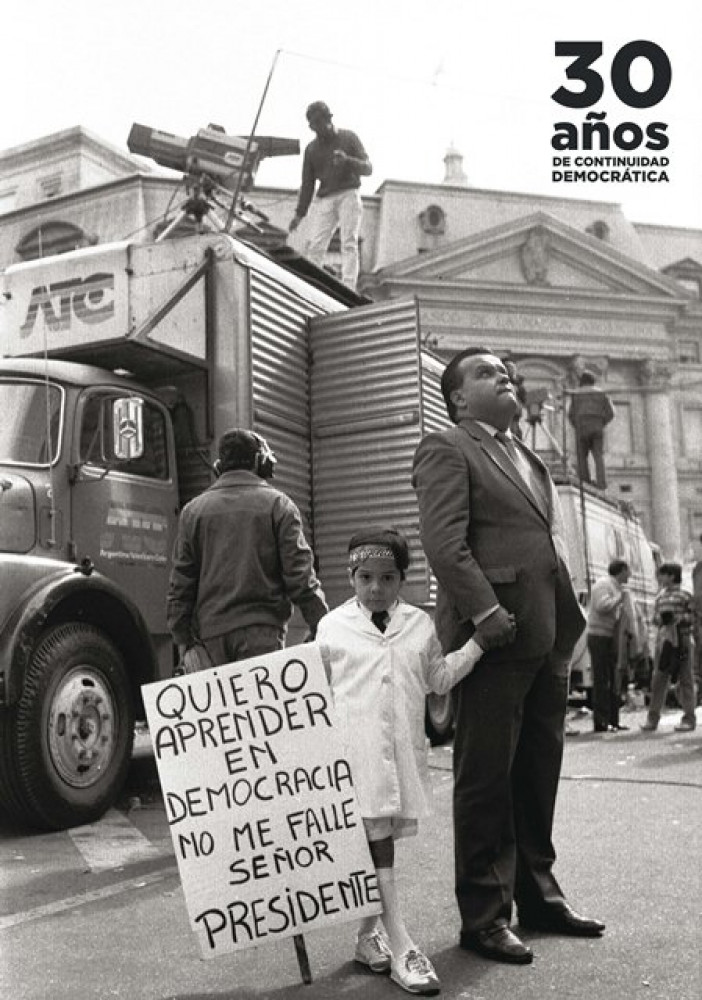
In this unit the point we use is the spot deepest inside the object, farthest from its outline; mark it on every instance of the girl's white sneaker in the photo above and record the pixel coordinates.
(371, 950)
(414, 972)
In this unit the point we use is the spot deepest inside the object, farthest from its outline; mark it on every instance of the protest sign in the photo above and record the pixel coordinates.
(260, 800)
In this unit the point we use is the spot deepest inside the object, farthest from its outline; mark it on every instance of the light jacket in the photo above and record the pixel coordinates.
(605, 606)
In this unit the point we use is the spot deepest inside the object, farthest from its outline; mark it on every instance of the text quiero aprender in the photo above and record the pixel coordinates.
(260, 800)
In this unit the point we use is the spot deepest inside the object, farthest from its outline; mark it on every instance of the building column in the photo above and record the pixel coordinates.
(665, 503)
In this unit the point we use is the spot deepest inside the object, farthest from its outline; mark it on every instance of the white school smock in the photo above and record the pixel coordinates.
(379, 682)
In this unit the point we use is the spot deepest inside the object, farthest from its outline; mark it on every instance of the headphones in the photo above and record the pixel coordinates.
(264, 459)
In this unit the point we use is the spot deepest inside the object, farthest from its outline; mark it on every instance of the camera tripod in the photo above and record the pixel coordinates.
(202, 201)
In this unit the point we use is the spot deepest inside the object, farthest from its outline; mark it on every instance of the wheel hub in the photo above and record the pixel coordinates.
(81, 727)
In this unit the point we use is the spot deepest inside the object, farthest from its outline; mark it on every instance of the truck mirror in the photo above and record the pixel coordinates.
(128, 428)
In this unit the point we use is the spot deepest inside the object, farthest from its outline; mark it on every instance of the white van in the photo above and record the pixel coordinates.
(599, 529)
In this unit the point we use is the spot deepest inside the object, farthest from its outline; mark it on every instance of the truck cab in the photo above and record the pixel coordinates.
(88, 506)
(124, 363)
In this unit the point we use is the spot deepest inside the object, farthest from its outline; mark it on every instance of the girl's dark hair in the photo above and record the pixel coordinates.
(671, 569)
(378, 534)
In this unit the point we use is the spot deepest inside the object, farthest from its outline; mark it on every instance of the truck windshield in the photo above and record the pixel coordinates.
(31, 422)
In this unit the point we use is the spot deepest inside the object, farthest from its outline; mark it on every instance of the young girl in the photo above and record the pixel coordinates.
(383, 657)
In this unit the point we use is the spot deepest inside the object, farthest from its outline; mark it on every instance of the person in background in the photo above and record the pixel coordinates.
(240, 561)
(589, 412)
(337, 160)
(490, 527)
(697, 608)
(603, 622)
(383, 657)
(673, 614)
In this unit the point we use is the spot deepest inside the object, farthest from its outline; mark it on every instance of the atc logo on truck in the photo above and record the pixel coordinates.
(90, 300)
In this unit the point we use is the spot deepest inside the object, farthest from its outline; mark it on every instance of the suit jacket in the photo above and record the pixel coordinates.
(490, 540)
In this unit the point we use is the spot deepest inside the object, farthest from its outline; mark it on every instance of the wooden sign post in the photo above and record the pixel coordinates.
(260, 802)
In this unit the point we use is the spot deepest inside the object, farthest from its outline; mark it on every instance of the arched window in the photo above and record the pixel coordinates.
(433, 220)
(51, 238)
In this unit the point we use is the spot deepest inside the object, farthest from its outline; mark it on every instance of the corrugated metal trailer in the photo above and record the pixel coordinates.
(375, 392)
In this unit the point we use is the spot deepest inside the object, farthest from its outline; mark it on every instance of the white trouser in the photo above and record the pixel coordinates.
(343, 210)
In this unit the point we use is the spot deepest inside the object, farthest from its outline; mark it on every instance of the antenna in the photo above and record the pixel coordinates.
(253, 132)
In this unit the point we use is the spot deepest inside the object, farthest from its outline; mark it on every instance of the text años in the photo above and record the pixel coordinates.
(594, 132)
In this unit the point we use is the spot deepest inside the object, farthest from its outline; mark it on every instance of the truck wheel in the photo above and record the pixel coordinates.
(73, 728)
(438, 718)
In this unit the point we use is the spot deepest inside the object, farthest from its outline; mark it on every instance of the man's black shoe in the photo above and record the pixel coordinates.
(561, 920)
(499, 944)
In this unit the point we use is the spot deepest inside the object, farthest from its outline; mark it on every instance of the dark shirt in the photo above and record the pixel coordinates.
(318, 165)
(240, 558)
(590, 409)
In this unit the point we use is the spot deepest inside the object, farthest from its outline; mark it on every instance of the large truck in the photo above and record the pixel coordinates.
(121, 365)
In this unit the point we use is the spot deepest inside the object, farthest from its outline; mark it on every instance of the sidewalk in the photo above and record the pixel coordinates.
(579, 720)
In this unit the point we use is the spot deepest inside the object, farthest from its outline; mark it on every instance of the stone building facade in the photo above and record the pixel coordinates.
(556, 284)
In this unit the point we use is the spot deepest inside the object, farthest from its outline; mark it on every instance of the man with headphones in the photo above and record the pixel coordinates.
(240, 562)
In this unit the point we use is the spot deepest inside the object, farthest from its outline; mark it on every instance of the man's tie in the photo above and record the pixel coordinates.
(510, 447)
(523, 466)
(380, 619)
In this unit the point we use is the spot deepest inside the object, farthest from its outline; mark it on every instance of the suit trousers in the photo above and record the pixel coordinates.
(508, 751)
(605, 688)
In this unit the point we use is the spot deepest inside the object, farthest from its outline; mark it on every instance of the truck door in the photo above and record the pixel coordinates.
(124, 510)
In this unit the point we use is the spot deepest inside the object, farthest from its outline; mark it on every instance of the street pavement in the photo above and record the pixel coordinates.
(98, 912)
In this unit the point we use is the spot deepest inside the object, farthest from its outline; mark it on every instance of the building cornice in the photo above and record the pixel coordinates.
(75, 138)
(86, 194)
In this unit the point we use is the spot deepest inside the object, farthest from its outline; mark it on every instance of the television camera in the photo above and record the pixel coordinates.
(212, 163)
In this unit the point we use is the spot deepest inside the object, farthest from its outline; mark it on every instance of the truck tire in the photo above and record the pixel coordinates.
(67, 744)
(438, 719)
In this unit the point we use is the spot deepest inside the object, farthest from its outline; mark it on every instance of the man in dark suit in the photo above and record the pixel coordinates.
(489, 520)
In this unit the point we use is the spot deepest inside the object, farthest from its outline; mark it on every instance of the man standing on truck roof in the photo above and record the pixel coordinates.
(589, 412)
(240, 561)
(336, 158)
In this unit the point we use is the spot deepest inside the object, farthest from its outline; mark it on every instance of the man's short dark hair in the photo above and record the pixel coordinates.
(616, 566)
(587, 378)
(451, 377)
(238, 449)
(318, 109)
(672, 569)
(384, 536)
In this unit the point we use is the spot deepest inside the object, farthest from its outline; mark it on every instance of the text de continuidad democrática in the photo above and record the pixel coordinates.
(610, 169)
